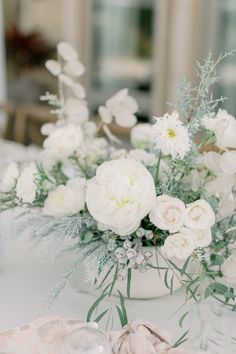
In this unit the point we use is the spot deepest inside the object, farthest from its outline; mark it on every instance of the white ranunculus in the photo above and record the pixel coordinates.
(141, 136)
(199, 215)
(67, 51)
(168, 213)
(9, 178)
(63, 141)
(147, 158)
(203, 238)
(224, 127)
(228, 270)
(180, 245)
(25, 187)
(66, 200)
(53, 67)
(120, 195)
(227, 162)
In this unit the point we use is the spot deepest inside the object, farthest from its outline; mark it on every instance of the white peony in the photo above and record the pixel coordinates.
(9, 178)
(63, 141)
(171, 136)
(199, 215)
(25, 187)
(168, 213)
(66, 200)
(224, 127)
(180, 245)
(203, 238)
(141, 136)
(228, 269)
(122, 107)
(120, 195)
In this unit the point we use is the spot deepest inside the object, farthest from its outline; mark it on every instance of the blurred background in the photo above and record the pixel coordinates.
(144, 45)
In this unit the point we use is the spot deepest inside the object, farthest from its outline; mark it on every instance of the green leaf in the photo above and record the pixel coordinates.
(94, 306)
(101, 316)
(128, 282)
(215, 288)
(166, 279)
(217, 259)
(123, 309)
(183, 270)
(113, 281)
(121, 317)
(181, 340)
(182, 319)
(87, 237)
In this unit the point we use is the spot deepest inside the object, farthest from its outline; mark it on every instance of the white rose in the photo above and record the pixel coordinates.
(199, 215)
(228, 270)
(66, 200)
(202, 238)
(9, 178)
(141, 136)
(224, 127)
(168, 213)
(147, 158)
(180, 245)
(25, 187)
(120, 195)
(63, 141)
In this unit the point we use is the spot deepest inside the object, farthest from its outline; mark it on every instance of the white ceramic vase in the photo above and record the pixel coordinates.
(150, 284)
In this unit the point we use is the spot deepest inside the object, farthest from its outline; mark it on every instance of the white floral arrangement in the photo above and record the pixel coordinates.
(117, 208)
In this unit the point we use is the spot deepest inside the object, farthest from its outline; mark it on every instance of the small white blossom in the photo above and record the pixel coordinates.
(131, 253)
(9, 178)
(141, 136)
(67, 51)
(122, 107)
(140, 259)
(74, 68)
(127, 244)
(148, 254)
(66, 200)
(140, 232)
(120, 253)
(53, 67)
(25, 187)
(63, 141)
(149, 235)
(228, 270)
(224, 127)
(171, 136)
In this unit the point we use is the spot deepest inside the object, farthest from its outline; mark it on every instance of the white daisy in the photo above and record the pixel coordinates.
(171, 136)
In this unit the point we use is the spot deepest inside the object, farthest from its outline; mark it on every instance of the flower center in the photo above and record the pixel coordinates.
(171, 133)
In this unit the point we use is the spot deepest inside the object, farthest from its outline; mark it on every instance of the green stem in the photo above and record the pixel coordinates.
(158, 167)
